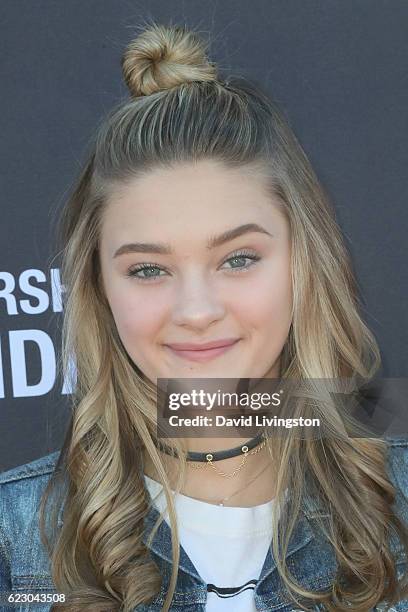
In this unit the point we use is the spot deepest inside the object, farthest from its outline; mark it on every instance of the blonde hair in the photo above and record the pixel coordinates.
(181, 111)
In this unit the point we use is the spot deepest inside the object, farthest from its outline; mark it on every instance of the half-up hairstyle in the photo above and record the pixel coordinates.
(181, 111)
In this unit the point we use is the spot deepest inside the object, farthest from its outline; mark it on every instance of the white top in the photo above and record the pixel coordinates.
(226, 544)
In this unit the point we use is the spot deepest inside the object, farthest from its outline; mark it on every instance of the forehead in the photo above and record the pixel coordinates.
(198, 195)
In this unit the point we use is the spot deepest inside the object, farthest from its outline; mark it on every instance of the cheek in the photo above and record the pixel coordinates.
(267, 301)
(136, 319)
(280, 293)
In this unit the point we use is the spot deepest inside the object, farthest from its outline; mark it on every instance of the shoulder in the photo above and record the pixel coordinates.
(397, 469)
(21, 490)
(397, 461)
(22, 555)
(39, 467)
(21, 485)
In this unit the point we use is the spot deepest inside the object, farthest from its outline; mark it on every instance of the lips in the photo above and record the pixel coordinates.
(188, 346)
(212, 350)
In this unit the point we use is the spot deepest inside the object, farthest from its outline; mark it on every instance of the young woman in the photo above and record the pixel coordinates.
(199, 220)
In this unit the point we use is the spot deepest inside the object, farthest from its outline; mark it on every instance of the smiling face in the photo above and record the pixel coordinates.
(239, 289)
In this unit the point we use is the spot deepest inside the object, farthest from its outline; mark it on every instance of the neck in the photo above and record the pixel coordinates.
(207, 485)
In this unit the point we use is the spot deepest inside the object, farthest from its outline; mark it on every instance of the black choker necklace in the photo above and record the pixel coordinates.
(216, 455)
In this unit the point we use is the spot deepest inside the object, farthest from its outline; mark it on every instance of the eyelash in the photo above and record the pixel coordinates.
(239, 255)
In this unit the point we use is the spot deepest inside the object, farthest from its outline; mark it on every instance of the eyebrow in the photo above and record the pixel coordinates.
(213, 242)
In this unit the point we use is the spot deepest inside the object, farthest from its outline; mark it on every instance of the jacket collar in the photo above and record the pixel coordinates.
(310, 560)
(161, 544)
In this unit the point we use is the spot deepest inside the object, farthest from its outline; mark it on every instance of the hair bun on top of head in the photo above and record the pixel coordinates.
(162, 57)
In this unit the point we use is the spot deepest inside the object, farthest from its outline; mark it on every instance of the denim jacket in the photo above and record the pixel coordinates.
(25, 569)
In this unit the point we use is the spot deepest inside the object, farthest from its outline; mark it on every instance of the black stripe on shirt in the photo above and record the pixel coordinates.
(231, 591)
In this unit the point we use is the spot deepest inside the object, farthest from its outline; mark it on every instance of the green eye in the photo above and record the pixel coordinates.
(141, 268)
(242, 256)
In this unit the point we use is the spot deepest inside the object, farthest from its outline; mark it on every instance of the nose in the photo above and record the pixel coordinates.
(198, 303)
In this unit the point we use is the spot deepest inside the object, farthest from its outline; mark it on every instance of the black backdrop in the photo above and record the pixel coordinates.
(338, 68)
